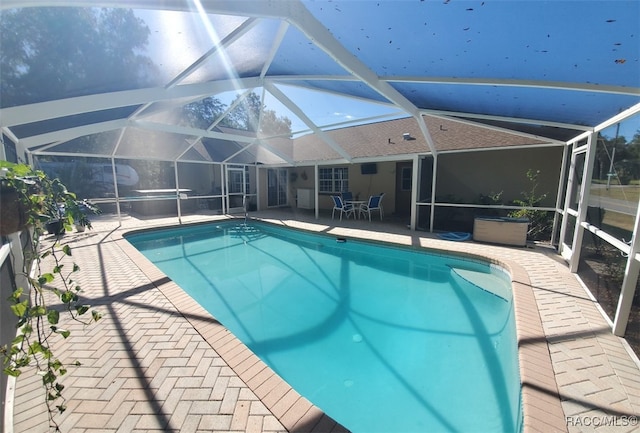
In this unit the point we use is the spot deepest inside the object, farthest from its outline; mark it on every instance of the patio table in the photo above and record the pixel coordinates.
(357, 204)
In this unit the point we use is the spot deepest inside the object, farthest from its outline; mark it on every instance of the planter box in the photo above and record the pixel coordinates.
(504, 231)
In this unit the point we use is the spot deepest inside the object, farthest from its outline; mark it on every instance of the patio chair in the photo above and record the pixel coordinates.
(374, 204)
(347, 196)
(340, 206)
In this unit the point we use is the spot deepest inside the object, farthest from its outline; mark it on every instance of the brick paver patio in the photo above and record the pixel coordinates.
(157, 362)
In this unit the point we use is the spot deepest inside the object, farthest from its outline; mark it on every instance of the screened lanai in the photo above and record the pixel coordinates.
(181, 106)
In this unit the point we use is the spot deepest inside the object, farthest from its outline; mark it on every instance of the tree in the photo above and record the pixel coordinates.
(73, 50)
(246, 116)
(274, 125)
(201, 114)
(625, 156)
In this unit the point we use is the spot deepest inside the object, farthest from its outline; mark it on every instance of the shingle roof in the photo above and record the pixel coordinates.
(382, 139)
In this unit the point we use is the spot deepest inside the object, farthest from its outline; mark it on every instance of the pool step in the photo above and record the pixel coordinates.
(486, 281)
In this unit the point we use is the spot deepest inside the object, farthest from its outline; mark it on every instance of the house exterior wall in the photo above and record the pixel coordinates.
(462, 177)
(362, 186)
(384, 181)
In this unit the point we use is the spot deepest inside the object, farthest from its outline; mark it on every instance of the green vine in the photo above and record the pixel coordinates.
(40, 199)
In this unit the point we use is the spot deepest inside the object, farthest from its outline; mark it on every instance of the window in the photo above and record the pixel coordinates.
(334, 180)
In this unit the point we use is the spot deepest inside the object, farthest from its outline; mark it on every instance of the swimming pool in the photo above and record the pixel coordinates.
(381, 338)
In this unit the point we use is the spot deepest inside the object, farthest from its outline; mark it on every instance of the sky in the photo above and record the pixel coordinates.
(180, 39)
(628, 128)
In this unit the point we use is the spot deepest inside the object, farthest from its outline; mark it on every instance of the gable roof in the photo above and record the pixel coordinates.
(387, 139)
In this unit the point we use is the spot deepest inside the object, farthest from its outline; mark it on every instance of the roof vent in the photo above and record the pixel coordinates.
(407, 136)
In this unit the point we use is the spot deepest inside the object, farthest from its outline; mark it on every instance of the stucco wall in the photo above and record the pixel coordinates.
(462, 177)
(362, 186)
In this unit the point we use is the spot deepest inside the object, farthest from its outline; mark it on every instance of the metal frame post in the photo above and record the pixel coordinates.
(628, 289)
(583, 203)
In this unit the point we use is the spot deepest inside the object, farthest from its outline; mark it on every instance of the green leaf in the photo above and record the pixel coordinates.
(81, 309)
(67, 250)
(34, 348)
(53, 317)
(96, 315)
(48, 377)
(23, 361)
(46, 278)
(14, 372)
(37, 311)
(68, 297)
(15, 295)
(46, 353)
(20, 309)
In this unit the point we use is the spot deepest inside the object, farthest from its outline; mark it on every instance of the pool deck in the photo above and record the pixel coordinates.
(157, 362)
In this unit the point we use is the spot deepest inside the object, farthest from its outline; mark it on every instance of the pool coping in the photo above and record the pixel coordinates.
(541, 405)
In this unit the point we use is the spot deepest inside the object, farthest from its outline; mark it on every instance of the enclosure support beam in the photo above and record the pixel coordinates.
(175, 169)
(628, 290)
(223, 188)
(563, 173)
(565, 220)
(583, 203)
(316, 173)
(433, 192)
(256, 172)
(115, 189)
(415, 182)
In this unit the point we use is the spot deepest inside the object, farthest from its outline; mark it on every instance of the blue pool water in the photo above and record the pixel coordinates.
(382, 338)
